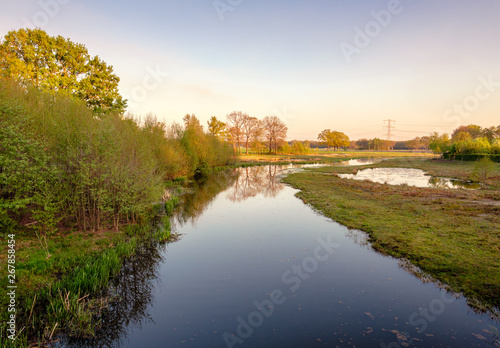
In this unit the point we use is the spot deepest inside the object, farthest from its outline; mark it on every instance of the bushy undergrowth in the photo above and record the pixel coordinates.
(62, 163)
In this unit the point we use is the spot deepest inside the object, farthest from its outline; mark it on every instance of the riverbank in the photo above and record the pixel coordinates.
(62, 279)
(454, 235)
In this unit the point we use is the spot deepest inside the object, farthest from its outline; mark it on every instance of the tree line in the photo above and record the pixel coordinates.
(468, 141)
(243, 130)
(377, 144)
(62, 162)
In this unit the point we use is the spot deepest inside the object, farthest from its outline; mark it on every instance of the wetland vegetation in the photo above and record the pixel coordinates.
(451, 234)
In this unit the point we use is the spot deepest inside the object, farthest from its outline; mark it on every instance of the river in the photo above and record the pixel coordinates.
(256, 267)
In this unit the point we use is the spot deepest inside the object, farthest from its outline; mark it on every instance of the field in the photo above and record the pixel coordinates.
(327, 156)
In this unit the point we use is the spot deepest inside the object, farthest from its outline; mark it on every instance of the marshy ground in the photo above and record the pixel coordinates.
(452, 234)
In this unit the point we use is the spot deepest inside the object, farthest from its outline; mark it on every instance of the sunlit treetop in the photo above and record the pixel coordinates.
(58, 64)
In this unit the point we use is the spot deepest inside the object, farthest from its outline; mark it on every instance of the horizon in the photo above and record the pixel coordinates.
(316, 65)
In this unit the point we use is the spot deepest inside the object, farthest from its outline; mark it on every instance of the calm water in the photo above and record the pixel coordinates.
(256, 267)
(408, 176)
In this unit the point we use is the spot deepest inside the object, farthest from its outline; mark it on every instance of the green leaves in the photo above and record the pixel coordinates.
(59, 163)
(333, 138)
(56, 64)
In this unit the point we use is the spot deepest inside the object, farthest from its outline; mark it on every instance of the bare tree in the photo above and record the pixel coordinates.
(235, 122)
(275, 131)
(250, 129)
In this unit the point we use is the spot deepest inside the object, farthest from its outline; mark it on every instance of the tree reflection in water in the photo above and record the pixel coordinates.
(131, 296)
(255, 180)
(240, 183)
(193, 204)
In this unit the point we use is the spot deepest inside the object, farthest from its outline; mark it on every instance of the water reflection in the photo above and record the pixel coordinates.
(240, 183)
(130, 297)
(360, 162)
(408, 176)
(252, 181)
(202, 194)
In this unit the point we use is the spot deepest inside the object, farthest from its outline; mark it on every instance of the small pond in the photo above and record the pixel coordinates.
(408, 176)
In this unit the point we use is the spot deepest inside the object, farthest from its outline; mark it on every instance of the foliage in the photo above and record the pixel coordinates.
(439, 143)
(495, 147)
(483, 168)
(333, 139)
(301, 148)
(58, 64)
(478, 145)
(217, 128)
(472, 130)
(60, 163)
(472, 142)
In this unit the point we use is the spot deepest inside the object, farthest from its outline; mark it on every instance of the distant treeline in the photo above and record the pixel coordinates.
(468, 143)
(63, 163)
(376, 144)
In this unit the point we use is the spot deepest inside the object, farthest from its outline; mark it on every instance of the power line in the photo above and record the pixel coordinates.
(424, 125)
(363, 127)
(413, 131)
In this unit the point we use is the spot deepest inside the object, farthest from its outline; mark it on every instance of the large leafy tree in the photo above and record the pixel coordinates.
(58, 64)
(473, 130)
(333, 139)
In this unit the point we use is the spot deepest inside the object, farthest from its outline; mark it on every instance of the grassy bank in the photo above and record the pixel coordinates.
(325, 157)
(452, 234)
(62, 279)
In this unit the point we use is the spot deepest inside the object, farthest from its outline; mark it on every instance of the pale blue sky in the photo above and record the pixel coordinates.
(421, 67)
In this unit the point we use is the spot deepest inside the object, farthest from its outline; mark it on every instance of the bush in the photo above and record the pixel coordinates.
(471, 157)
(483, 168)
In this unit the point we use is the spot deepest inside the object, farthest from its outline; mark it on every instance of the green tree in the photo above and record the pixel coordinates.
(217, 128)
(439, 143)
(326, 138)
(473, 130)
(461, 136)
(58, 64)
(491, 133)
(333, 139)
(341, 140)
(495, 147)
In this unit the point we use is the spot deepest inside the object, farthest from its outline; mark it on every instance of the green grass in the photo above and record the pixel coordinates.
(61, 293)
(454, 235)
(324, 157)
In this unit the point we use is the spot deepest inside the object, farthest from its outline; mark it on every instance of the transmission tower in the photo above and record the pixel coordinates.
(389, 127)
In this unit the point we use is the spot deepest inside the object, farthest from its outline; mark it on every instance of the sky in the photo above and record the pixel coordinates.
(344, 65)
